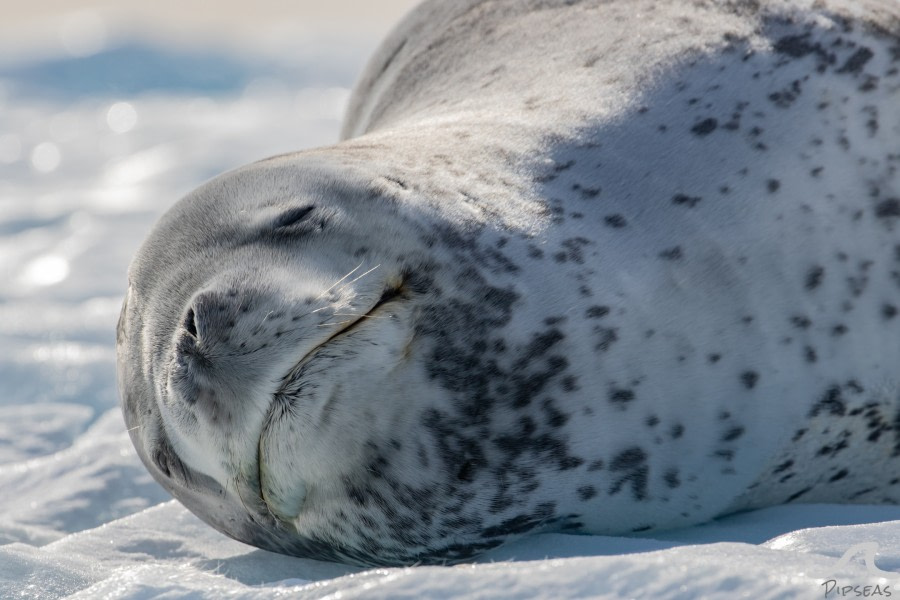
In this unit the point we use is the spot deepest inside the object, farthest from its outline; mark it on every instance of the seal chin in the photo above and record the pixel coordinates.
(284, 502)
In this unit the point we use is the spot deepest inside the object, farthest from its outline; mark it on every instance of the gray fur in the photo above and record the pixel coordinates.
(623, 266)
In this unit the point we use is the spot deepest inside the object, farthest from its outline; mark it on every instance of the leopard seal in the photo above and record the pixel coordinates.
(586, 266)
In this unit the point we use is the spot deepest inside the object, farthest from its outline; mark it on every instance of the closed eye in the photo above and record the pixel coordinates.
(293, 216)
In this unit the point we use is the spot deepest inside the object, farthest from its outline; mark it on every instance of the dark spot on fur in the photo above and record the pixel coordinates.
(749, 379)
(705, 127)
(783, 467)
(466, 472)
(861, 492)
(801, 322)
(814, 277)
(888, 208)
(673, 253)
(685, 200)
(570, 383)
(857, 61)
(560, 167)
(632, 462)
(725, 454)
(615, 221)
(809, 354)
(586, 492)
(839, 475)
(833, 449)
(595, 465)
(621, 396)
(522, 523)
(795, 46)
(554, 417)
(796, 495)
(733, 434)
(587, 193)
(539, 346)
(671, 478)
(832, 402)
(608, 337)
(596, 312)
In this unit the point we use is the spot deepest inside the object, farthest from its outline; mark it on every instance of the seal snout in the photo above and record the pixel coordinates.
(221, 349)
(212, 315)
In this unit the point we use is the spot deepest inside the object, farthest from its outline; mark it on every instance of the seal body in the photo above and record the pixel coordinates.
(596, 266)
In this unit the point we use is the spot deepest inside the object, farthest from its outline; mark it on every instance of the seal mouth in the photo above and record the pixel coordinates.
(388, 295)
(283, 398)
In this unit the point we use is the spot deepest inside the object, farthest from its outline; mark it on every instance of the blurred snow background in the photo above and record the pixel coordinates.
(109, 112)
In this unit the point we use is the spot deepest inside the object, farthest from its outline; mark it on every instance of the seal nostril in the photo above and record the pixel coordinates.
(190, 322)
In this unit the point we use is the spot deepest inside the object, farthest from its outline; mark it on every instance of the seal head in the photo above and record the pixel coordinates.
(258, 319)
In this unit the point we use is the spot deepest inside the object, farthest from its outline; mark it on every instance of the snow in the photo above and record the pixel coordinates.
(92, 150)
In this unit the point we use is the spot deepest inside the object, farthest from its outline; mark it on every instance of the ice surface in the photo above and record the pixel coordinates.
(92, 151)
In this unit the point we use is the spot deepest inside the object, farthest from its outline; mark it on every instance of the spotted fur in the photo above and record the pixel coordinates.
(587, 266)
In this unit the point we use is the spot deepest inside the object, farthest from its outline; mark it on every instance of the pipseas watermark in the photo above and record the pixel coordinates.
(834, 588)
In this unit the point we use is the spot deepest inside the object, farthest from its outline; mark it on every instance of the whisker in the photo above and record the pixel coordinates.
(340, 323)
(340, 280)
(358, 277)
(352, 271)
